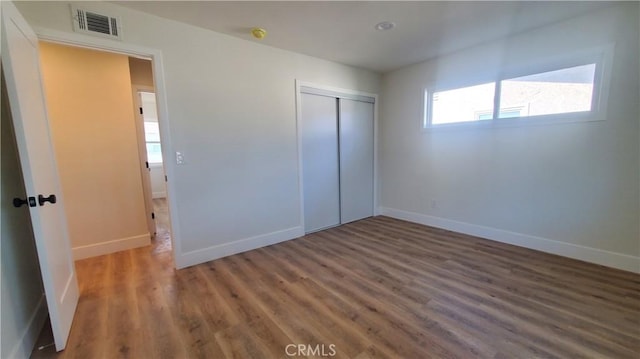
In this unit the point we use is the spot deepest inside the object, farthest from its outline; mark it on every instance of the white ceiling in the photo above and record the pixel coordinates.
(344, 31)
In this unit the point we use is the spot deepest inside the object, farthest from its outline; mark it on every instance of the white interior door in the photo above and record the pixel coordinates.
(356, 160)
(20, 63)
(153, 144)
(145, 162)
(321, 189)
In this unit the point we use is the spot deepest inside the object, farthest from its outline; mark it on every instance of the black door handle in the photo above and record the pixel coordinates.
(18, 202)
(42, 199)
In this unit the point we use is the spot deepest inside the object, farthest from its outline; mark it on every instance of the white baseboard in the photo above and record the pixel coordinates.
(587, 254)
(98, 249)
(226, 249)
(161, 194)
(29, 337)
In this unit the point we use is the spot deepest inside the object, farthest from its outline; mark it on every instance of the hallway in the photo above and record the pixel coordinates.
(101, 278)
(162, 241)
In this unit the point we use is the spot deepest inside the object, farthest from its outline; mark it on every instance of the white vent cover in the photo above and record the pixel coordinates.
(93, 23)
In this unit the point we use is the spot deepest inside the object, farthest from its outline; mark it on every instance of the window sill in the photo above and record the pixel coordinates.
(555, 119)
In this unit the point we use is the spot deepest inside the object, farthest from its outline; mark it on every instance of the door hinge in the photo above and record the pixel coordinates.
(165, 178)
(146, 163)
(153, 215)
(141, 111)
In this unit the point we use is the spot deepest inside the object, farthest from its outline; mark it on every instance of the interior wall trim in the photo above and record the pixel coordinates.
(226, 249)
(587, 254)
(337, 94)
(107, 247)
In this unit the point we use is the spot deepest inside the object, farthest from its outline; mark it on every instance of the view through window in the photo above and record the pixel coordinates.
(566, 90)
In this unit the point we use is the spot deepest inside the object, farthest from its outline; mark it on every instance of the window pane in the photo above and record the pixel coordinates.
(562, 91)
(154, 152)
(152, 138)
(151, 132)
(474, 103)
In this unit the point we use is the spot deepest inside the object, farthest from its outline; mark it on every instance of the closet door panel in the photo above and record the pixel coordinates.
(356, 159)
(321, 186)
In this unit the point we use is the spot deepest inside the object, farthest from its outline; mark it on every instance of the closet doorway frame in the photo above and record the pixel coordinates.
(338, 93)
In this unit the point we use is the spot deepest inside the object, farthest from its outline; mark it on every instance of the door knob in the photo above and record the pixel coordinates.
(18, 202)
(42, 199)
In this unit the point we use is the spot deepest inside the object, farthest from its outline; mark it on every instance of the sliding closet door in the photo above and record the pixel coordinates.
(321, 186)
(356, 160)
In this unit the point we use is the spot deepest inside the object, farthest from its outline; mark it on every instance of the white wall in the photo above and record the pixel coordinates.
(232, 113)
(571, 189)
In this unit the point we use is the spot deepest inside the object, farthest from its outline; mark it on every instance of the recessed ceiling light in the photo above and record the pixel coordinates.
(385, 25)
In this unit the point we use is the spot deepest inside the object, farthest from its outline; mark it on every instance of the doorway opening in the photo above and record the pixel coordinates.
(105, 129)
(106, 134)
(153, 173)
(32, 115)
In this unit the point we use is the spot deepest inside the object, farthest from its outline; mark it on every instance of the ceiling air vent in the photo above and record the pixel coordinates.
(90, 22)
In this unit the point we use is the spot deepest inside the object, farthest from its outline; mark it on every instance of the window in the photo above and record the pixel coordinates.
(463, 104)
(562, 91)
(152, 139)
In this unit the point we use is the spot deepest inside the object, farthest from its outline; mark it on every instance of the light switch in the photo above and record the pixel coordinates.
(179, 158)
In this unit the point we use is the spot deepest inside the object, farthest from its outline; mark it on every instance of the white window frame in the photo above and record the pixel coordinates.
(147, 142)
(601, 56)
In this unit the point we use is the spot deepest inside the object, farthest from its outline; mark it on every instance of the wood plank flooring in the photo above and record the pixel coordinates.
(376, 288)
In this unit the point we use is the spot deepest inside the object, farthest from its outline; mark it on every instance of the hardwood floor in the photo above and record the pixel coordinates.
(376, 288)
